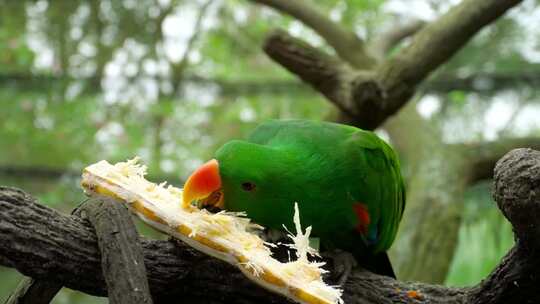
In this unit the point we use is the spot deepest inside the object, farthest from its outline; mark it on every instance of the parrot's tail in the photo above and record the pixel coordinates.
(378, 263)
(382, 265)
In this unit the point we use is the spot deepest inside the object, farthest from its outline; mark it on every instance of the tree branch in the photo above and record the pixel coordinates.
(346, 43)
(394, 36)
(370, 97)
(333, 78)
(42, 243)
(433, 45)
(32, 291)
(121, 255)
(440, 40)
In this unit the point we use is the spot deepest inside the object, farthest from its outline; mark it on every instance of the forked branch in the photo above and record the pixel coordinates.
(372, 94)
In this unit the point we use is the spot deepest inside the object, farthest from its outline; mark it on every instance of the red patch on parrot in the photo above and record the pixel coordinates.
(362, 214)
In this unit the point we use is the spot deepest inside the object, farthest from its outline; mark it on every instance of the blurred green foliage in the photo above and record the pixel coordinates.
(82, 81)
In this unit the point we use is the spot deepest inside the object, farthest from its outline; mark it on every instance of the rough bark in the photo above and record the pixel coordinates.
(32, 291)
(42, 243)
(516, 183)
(326, 74)
(121, 255)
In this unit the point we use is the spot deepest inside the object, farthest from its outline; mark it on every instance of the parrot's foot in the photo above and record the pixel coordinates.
(343, 263)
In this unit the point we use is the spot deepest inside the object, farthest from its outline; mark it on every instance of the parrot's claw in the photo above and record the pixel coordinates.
(343, 263)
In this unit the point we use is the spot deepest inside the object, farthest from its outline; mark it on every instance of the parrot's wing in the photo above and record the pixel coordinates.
(381, 176)
(385, 197)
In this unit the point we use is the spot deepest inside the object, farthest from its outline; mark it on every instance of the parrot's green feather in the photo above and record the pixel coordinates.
(331, 170)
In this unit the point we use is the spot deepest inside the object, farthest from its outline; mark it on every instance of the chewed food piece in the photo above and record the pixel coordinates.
(227, 236)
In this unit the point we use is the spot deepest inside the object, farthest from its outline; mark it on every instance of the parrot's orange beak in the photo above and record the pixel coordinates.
(204, 186)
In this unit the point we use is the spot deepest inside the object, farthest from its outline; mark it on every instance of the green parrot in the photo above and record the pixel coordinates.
(346, 181)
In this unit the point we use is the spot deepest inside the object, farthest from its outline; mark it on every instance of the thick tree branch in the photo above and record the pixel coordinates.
(121, 254)
(32, 291)
(42, 243)
(432, 46)
(440, 40)
(335, 79)
(346, 43)
(517, 181)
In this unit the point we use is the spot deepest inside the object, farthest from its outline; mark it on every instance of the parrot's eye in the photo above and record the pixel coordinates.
(248, 186)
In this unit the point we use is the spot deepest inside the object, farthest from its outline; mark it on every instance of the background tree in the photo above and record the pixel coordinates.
(172, 80)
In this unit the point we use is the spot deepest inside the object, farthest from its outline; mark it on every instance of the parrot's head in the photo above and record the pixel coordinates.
(244, 177)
